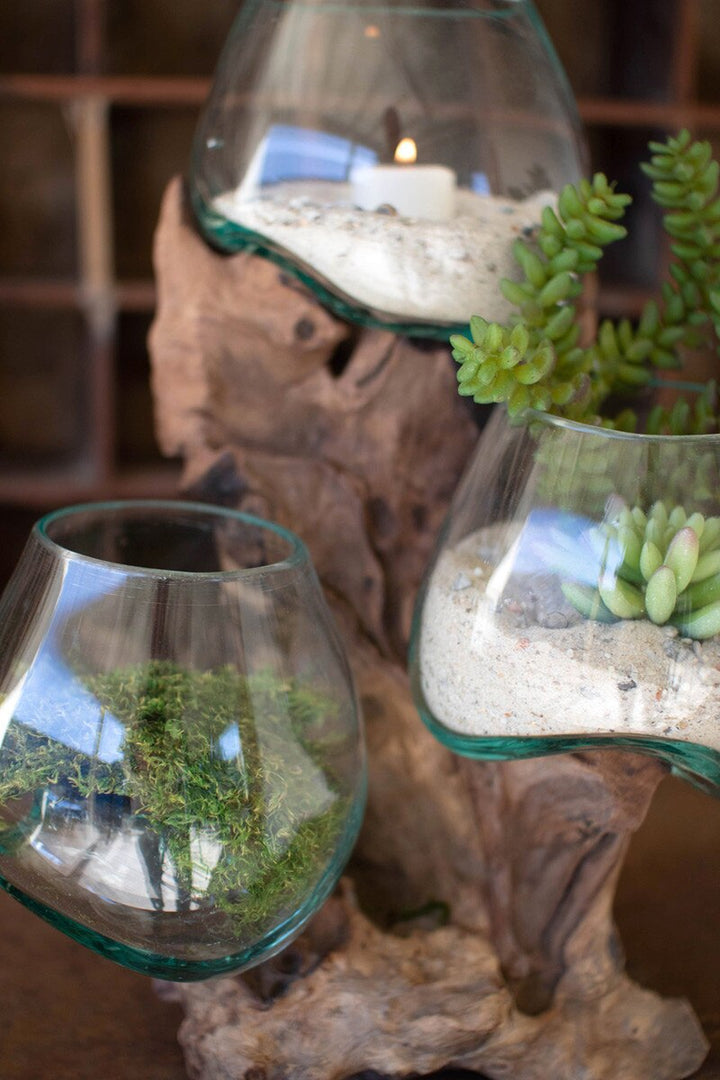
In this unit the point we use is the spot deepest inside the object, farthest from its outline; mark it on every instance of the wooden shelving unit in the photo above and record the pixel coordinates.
(98, 113)
(100, 120)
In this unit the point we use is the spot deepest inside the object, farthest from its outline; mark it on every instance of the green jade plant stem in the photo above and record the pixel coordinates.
(260, 805)
(540, 363)
(658, 562)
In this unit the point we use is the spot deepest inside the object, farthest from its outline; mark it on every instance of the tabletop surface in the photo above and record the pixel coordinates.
(68, 1014)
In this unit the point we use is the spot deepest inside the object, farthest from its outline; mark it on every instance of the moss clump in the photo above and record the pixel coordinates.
(246, 765)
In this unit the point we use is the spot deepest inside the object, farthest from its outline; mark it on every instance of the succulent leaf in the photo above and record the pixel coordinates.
(661, 595)
(650, 559)
(701, 624)
(710, 535)
(701, 593)
(587, 601)
(651, 565)
(620, 597)
(708, 565)
(682, 556)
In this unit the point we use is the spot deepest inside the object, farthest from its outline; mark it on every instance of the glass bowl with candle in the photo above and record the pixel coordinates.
(387, 154)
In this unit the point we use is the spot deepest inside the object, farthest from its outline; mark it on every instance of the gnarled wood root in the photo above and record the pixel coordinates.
(347, 998)
(355, 439)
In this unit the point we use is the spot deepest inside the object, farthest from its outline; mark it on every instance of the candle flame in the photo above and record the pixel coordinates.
(406, 152)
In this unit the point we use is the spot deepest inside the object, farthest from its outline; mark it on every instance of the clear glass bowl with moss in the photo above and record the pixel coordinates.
(182, 772)
(574, 598)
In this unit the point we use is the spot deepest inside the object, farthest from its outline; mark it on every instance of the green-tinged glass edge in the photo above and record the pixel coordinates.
(691, 761)
(169, 969)
(297, 556)
(697, 764)
(230, 239)
(416, 11)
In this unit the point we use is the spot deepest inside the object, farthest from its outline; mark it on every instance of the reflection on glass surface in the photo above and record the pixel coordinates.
(387, 154)
(181, 768)
(534, 634)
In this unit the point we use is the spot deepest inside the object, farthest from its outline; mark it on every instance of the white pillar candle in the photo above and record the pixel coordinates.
(418, 191)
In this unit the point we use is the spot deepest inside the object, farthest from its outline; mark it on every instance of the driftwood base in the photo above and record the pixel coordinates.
(387, 1005)
(356, 439)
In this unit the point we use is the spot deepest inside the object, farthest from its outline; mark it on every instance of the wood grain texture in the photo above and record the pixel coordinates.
(356, 439)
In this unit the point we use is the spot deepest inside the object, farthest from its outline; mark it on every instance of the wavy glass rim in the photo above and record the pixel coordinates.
(166, 967)
(298, 554)
(229, 238)
(452, 10)
(563, 424)
(691, 761)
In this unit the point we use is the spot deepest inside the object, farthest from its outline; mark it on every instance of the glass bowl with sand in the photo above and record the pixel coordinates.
(574, 598)
(182, 771)
(388, 154)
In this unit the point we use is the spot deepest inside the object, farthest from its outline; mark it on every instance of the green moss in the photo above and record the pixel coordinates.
(271, 800)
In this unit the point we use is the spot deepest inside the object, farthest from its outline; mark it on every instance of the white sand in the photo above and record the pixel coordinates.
(490, 668)
(426, 270)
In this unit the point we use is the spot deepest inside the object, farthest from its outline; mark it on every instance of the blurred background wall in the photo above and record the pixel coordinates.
(98, 104)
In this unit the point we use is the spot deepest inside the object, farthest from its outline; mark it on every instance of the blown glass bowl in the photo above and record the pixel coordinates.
(387, 154)
(573, 601)
(182, 771)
